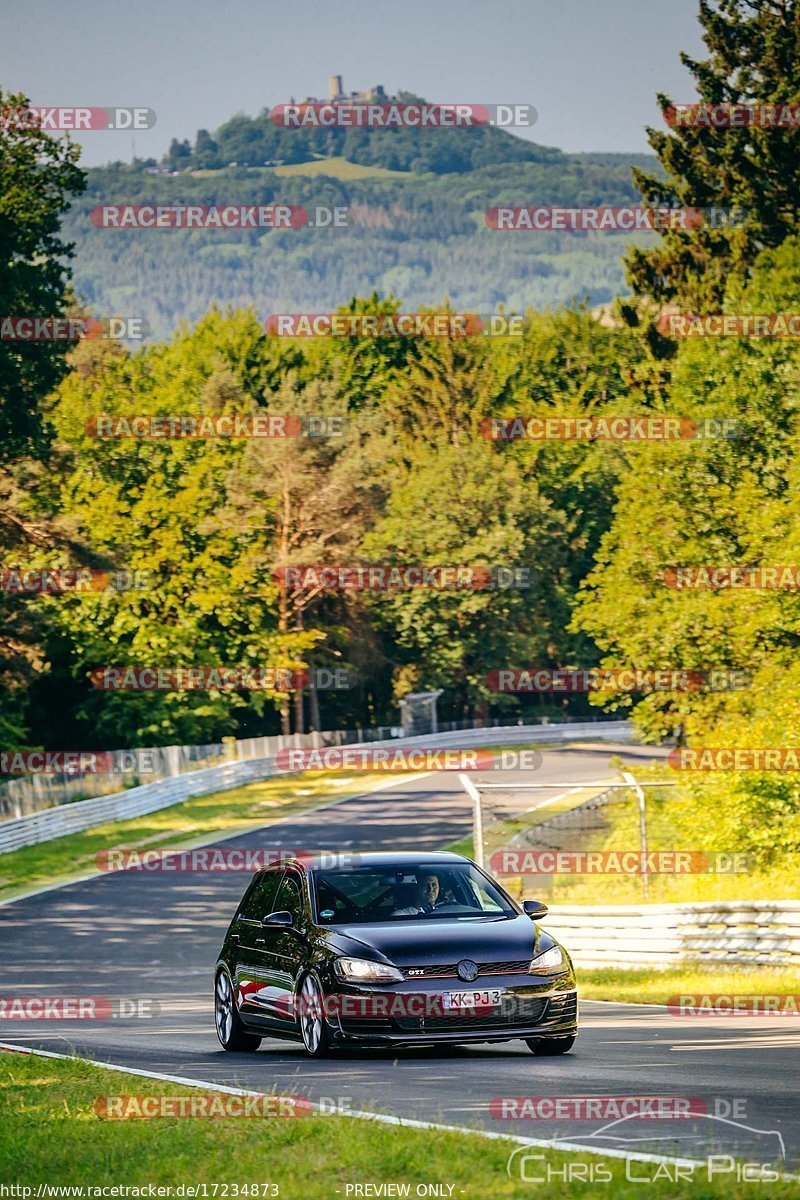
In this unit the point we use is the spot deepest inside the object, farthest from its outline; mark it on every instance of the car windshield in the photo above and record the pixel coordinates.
(399, 892)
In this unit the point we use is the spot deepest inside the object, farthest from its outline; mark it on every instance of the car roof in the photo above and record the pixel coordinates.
(376, 858)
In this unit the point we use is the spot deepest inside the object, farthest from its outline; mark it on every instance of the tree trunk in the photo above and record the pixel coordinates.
(313, 703)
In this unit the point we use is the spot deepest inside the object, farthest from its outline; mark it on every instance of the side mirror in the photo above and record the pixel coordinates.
(279, 918)
(534, 909)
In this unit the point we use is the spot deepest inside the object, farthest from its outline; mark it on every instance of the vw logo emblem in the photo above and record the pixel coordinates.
(467, 970)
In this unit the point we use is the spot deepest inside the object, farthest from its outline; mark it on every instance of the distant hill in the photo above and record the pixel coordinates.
(416, 223)
(257, 142)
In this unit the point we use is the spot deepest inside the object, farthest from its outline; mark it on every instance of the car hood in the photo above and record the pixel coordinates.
(437, 941)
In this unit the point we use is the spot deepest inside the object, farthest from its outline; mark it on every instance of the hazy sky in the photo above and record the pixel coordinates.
(590, 67)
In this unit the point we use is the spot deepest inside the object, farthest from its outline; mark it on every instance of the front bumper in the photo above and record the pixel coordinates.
(413, 1013)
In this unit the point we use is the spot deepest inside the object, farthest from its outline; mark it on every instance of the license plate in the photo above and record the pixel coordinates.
(456, 1000)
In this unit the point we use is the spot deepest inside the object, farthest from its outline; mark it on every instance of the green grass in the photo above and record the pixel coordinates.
(669, 827)
(648, 985)
(201, 819)
(50, 1133)
(340, 168)
(336, 167)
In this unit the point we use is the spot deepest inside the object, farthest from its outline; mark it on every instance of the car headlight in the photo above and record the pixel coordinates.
(363, 970)
(552, 961)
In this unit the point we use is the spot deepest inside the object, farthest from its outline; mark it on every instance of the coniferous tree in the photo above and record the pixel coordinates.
(38, 175)
(754, 58)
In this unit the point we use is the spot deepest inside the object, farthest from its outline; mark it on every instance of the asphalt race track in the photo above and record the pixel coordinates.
(156, 936)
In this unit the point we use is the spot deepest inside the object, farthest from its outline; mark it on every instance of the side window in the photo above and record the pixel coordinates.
(290, 897)
(485, 899)
(260, 901)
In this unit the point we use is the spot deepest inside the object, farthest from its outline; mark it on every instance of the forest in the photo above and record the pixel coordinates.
(389, 463)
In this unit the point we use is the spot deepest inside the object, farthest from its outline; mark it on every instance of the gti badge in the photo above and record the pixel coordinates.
(467, 970)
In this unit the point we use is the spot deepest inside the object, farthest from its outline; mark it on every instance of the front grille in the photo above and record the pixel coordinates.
(563, 1007)
(517, 1012)
(519, 967)
(525, 1012)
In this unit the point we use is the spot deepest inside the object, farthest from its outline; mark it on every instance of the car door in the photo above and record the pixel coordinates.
(289, 945)
(253, 973)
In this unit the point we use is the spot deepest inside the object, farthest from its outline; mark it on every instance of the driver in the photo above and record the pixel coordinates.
(428, 890)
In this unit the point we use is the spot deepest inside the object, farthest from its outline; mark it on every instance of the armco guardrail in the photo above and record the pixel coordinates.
(658, 935)
(24, 794)
(121, 806)
(150, 797)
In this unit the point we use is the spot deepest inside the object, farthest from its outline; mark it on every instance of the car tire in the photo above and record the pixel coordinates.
(311, 1018)
(230, 1030)
(550, 1047)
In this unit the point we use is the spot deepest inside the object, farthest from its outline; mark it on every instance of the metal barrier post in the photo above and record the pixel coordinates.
(477, 818)
(626, 775)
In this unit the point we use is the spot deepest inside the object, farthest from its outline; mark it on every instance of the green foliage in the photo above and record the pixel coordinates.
(753, 58)
(421, 237)
(718, 502)
(38, 174)
(259, 141)
(409, 481)
(155, 506)
(413, 480)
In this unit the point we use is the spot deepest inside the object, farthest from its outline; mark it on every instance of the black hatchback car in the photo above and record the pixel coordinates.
(390, 949)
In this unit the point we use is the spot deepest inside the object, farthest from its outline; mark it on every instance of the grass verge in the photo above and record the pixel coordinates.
(51, 1133)
(203, 818)
(650, 986)
(615, 829)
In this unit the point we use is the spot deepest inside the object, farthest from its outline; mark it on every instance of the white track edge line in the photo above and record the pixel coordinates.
(381, 1118)
(627, 1003)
